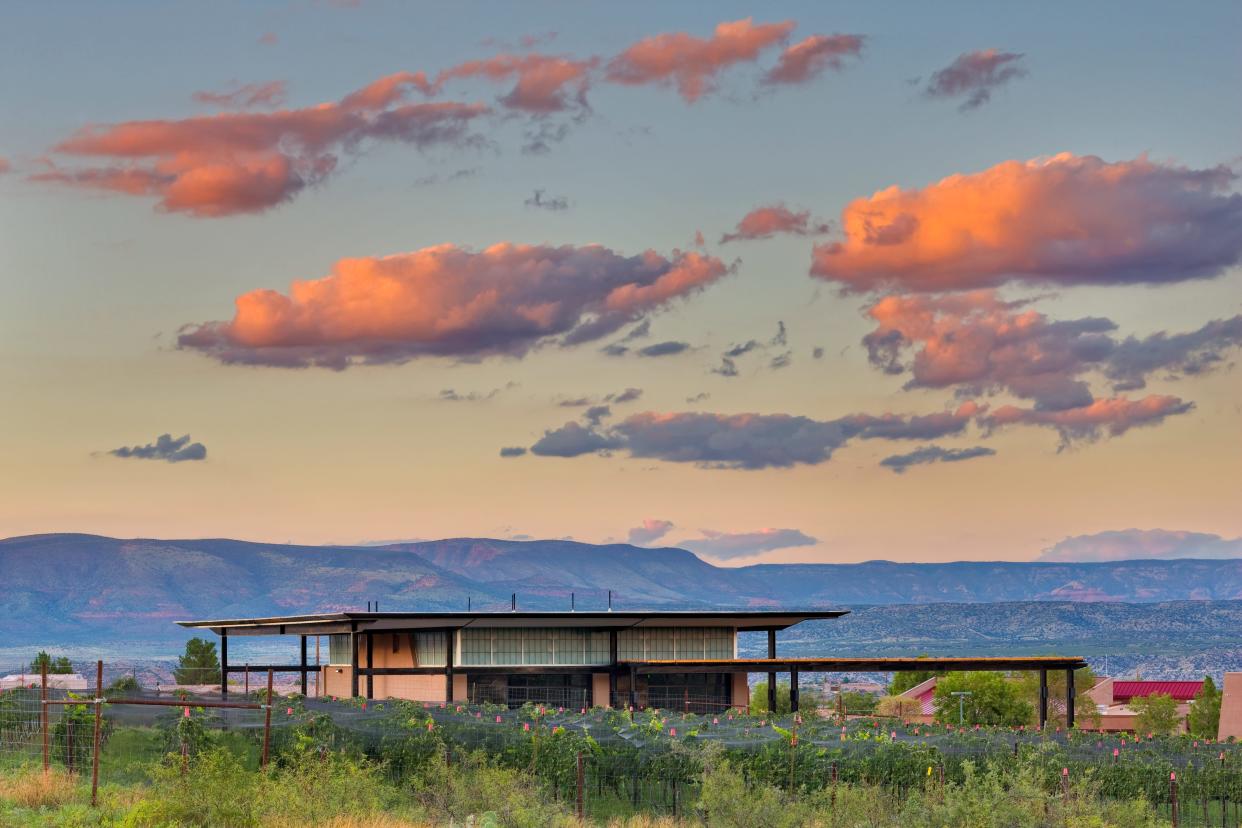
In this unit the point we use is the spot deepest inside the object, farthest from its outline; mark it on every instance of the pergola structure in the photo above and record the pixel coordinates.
(611, 665)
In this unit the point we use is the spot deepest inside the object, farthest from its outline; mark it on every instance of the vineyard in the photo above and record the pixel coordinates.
(606, 764)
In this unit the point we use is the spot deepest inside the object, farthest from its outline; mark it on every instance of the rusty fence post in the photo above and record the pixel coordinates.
(98, 723)
(581, 786)
(267, 720)
(834, 786)
(69, 745)
(43, 719)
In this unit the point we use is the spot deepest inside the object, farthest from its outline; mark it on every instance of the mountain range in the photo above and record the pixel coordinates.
(85, 589)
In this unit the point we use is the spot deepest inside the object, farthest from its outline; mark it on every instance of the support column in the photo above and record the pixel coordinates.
(612, 668)
(1043, 699)
(303, 648)
(633, 687)
(1069, 699)
(224, 664)
(370, 638)
(353, 662)
(772, 676)
(450, 645)
(793, 691)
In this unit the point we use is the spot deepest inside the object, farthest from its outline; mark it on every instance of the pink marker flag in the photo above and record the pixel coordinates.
(186, 713)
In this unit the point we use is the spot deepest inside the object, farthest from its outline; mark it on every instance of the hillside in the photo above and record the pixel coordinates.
(88, 589)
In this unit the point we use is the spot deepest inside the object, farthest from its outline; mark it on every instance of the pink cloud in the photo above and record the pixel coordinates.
(236, 162)
(765, 222)
(973, 75)
(693, 64)
(1061, 220)
(544, 84)
(5, 166)
(248, 96)
(809, 58)
(1116, 416)
(450, 301)
(269, 39)
(976, 343)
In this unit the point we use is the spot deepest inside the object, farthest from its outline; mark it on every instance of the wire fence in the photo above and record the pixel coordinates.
(607, 762)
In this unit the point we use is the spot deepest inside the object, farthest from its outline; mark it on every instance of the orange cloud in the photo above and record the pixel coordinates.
(237, 162)
(765, 222)
(1116, 415)
(545, 84)
(250, 95)
(446, 300)
(1061, 220)
(809, 58)
(693, 63)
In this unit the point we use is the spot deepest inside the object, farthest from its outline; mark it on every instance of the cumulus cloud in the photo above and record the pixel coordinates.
(1115, 415)
(726, 545)
(246, 96)
(659, 349)
(973, 75)
(694, 64)
(248, 162)
(1061, 220)
(811, 57)
(766, 222)
(165, 448)
(650, 531)
(512, 451)
(1142, 544)
(450, 301)
(933, 454)
(743, 441)
(555, 204)
(977, 343)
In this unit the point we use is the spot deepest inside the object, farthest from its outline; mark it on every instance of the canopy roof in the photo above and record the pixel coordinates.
(344, 622)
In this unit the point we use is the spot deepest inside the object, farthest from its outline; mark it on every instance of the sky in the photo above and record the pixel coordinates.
(777, 282)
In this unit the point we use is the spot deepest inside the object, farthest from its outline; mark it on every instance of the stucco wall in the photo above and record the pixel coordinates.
(1231, 707)
(741, 691)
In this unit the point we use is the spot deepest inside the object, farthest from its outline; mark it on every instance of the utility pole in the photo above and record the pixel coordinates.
(961, 705)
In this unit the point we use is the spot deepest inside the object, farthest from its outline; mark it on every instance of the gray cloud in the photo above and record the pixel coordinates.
(660, 349)
(164, 448)
(725, 545)
(555, 204)
(512, 451)
(973, 75)
(650, 531)
(1141, 544)
(452, 395)
(933, 454)
(743, 441)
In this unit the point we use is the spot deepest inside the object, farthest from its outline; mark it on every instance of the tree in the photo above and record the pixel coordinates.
(199, 664)
(1204, 717)
(1156, 714)
(57, 666)
(807, 699)
(993, 699)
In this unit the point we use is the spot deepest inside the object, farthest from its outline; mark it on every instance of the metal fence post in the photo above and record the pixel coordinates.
(98, 723)
(43, 719)
(267, 720)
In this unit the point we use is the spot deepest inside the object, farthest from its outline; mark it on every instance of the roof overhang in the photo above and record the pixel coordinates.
(868, 665)
(345, 622)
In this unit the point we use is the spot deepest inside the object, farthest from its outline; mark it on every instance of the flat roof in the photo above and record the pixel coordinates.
(847, 665)
(344, 622)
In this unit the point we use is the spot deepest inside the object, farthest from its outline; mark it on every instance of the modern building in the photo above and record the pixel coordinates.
(1112, 699)
(678, 660)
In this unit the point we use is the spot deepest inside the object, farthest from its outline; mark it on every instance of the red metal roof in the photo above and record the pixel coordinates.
(1123, 691)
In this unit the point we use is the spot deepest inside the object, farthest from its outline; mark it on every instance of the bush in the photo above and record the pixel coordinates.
(993, 700)
(728, 802)
(474, 786)
(32, 788)
(1156, 714)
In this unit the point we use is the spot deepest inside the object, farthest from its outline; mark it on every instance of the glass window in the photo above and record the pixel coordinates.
(432, 649)
(338, 650)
